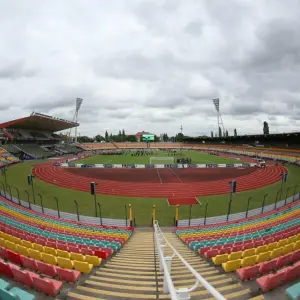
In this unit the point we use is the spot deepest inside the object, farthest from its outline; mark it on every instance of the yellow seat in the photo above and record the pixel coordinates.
(65, 263)
(11, 246)
(262, 257)
(219, 259)
(94, 260)
(248, 252)
(49, 259)
(50, 250)
(298, 237)
(23, 250)
(272, 246)
(16, 240)
(261, 249)
(35, 254)
(10, 238)
(63, 253)
(297, 245)
(292, 239)
(77, 256)
(232, 265)
(235, 255)
(2, 235)
(276, 252)
(249, 261)
(38, 247)
(27, 244)
(288, 248)
(2, 242)
(282, 243)
(83, 267)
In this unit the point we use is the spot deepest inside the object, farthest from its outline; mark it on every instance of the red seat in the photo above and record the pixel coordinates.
(3, 253)
(236, 248)
(68, 275)
(51, 244)
(41, 241)
(270, 282)
(291, 273)
(87, 251)
(211, 253)
(29, 263)
(102, 254)
(284, 261)
(48, 286)
(63, 247)
(248, 272)
(267, 266)
(6, 270)
(226, 250)
(74, 249)
(47, 269)
(218, 247)
(203, 250)
(296, 256)
(30, 239)
(249, 246)
(258, 243)
(14, 257)
(24, 277)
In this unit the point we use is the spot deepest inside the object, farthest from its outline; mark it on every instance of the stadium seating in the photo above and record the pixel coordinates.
(35, 150)
(32, 244)
(7, 158)
(8, 293)
(265, 247)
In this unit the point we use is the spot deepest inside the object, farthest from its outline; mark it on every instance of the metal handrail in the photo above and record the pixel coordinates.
(159, 236)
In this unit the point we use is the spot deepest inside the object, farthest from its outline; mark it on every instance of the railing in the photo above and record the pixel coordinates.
(165, 263)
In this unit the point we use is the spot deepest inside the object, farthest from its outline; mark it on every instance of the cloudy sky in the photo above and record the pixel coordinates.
(148, 64)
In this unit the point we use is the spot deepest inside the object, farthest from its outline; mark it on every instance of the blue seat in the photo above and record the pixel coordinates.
(20, 294)
(293, 292)
(6, 295)
(4, 284)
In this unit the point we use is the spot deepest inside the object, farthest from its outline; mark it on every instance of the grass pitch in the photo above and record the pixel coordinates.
(113, 206)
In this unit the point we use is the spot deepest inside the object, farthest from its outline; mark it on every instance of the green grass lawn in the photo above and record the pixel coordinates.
(113, 206)
(196, 156)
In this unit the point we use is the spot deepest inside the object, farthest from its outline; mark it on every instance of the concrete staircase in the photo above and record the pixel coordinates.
(134, 274)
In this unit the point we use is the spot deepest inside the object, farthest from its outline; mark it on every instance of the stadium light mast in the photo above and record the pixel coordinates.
(219, 116)
(181, 128)
(78, 105)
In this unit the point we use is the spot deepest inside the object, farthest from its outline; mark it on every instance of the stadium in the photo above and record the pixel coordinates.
(205, 218)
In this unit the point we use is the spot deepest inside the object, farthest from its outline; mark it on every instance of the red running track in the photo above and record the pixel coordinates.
(173, 190)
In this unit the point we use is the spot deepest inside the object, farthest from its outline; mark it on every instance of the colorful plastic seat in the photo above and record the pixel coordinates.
(248, 272)
(49, 259)
(29, 263)
(94, 260)
(293, 292)
(65, 263)
(47, 269)
(219, 259)
(68, 275)
(82, 267)
(232, 265)
(248, 261)
(48, 286)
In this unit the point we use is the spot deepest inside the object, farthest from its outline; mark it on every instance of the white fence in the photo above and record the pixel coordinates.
(165, 265)
(66, 215)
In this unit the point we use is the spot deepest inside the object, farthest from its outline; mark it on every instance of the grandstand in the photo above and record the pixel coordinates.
(34, 136)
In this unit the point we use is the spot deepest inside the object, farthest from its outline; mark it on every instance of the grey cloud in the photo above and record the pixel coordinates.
(16, 69)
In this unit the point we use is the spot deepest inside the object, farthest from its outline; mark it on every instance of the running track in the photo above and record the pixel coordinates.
(173, 190)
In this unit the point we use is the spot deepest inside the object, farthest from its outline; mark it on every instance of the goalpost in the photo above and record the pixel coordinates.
(161, 160)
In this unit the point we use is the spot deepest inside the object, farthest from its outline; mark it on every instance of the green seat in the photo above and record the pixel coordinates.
(293, 292)
(6, 295)
(20, 294)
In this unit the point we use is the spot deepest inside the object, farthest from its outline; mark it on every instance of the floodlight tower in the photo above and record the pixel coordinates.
(75, 119)
(181, 128)
(219, 116)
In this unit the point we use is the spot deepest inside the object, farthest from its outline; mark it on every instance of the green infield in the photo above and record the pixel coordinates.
(130, 157)
(113, 206)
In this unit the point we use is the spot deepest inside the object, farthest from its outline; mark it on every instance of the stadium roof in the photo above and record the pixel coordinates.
(41, 122)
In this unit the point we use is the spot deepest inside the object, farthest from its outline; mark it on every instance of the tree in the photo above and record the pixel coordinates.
(179, 137)
(131, 138)
(266, 128)
(220, 132)
(235, 132)
(156, 138)
(212, 134)
(123, 135)
(106, 136)
(111, 137)
(227, 133)
(99, 138)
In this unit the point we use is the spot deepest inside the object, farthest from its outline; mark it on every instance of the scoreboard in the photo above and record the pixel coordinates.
(148, 138)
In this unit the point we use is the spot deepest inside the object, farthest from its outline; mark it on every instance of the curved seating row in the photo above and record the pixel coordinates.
(41, 252)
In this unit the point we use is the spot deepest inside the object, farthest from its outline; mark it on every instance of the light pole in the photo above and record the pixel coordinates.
(30, 182)
(77, 210)
(4, 189)
(286, 195)
(100, 213)
(41, 202)
(249, 199)
(205, 213)
(28, 199)
(19, 200)
(57, 206)
(93, 192)
(263, 203)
